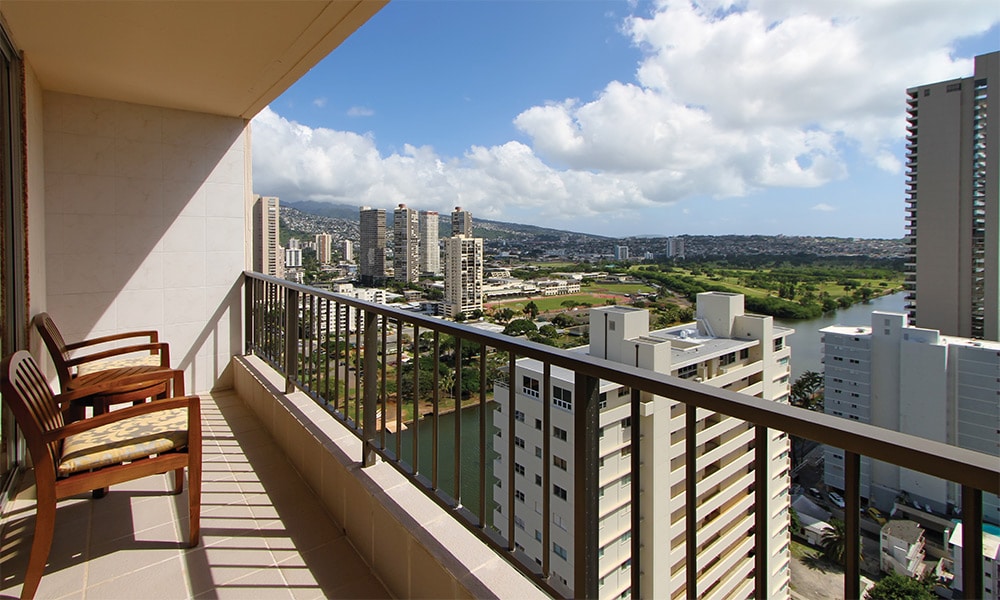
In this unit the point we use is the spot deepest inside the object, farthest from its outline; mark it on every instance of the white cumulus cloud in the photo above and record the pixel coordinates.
(729, 98)
(824, 207)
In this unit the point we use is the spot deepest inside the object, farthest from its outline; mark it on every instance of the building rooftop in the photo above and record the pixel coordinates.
(906, 530)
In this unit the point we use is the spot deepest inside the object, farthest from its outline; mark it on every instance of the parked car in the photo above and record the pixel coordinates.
(876, 515)
(837, 500)
(815, 493)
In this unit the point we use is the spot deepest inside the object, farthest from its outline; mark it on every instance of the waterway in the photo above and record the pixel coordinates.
(805, 342)
(470, 452)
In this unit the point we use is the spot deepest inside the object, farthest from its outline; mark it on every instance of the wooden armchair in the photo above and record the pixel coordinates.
(72, 458)
(70, 368)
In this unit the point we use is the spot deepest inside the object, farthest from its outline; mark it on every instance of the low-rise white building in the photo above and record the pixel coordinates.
(725, 348)
(901, 548)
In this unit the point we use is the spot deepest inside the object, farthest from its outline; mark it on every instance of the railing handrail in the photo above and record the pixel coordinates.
(960, 465)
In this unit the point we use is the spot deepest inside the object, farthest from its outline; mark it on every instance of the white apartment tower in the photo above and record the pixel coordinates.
(461, 222)
(430, 251)
(915, 381)
(463, 275)
(724, 348)
(621, 252)
(954, 247)
(371, 267)
(268, 258)
(348, 251)
(324, 248)
(406, 244)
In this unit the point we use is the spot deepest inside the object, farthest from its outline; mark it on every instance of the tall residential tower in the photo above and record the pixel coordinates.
(268, 258)
(430, 251)
(461, 222)
(953, 179)
(406, 244)
(371, 266)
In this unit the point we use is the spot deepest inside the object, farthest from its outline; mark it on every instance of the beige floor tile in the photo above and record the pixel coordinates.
(264, 533)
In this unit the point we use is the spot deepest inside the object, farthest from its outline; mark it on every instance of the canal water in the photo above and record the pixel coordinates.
(470, 452)
(806, 347)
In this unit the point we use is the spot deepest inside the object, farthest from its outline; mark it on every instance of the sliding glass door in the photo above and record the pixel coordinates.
(13, 269)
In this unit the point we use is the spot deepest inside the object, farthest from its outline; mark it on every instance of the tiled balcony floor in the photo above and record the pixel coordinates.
(264, 534)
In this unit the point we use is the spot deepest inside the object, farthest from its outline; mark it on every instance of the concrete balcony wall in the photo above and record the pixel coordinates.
(144, 226)
(413, 545)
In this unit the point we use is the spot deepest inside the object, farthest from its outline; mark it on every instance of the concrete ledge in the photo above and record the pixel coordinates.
(414, 546)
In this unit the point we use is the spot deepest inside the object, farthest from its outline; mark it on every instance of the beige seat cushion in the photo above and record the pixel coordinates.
(129, 360)
(123, 441)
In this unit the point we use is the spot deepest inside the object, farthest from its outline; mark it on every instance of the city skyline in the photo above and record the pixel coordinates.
(584, 120)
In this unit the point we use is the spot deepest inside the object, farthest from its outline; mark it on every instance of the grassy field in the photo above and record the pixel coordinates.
(619, 289)
(732, 279)
(548, 303)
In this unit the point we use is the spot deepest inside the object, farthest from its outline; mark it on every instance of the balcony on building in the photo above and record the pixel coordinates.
(134, 193)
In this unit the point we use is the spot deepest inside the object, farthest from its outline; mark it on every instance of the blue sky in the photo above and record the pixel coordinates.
(623, 118)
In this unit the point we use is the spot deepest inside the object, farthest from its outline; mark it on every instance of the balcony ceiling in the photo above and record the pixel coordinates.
(226, 58)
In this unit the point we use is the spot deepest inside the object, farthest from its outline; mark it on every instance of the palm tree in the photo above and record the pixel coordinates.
(834, 541)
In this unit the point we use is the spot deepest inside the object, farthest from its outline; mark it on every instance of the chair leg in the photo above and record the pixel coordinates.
(179, 480)
(45, 526)
(194, 502)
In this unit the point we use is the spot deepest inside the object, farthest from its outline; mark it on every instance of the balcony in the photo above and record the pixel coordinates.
(138, 211)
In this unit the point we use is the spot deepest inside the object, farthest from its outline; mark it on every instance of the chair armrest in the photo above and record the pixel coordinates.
(154, 336)
(161, 348)
(151, 378)
(190, 402)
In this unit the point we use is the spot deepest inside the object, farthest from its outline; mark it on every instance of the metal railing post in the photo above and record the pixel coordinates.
(586, 446)
(291, 338)
(370, 381)
(761, 511)
(852, 525)
(691, 501)
(972, 543)
(249, 289)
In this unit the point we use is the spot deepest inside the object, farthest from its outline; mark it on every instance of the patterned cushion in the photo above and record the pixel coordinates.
(126, 440)
(128, 360)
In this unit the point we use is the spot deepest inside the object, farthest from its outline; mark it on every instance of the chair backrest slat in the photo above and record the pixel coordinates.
(56, 344)
(29, 397)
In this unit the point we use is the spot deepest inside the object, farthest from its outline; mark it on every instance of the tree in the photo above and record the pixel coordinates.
(807, 391)
(834, 541)
(548, 331)
(520, 327)
(563, 320)
(898, 587)
(531, 309)
(503, 315)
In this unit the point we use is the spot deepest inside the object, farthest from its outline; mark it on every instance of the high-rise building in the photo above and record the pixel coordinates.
(724, 348)
(916, 381)
(953, 266)
(268, 258)
(461, 222)
(406, 244)
(463, 275)
(675, 247)
(621, 252)
(324, 248)
(348, 251)
(430, 251)
(372, 264)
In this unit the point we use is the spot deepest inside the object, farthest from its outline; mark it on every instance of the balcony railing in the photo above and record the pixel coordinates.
(380, 370)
